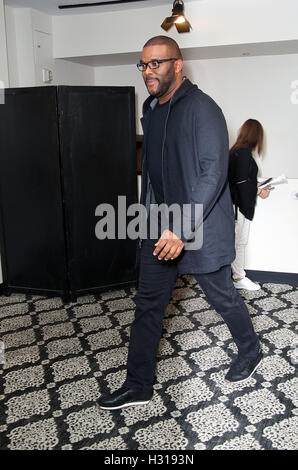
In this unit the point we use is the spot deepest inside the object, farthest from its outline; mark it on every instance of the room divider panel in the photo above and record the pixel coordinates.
(64, 151)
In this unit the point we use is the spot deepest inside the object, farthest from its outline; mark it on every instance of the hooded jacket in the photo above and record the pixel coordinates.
(195, 157)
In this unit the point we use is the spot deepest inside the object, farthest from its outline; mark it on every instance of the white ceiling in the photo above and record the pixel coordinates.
(51, 6)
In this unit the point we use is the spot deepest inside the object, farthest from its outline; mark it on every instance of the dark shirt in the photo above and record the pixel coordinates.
(243, 170)
(154, 149)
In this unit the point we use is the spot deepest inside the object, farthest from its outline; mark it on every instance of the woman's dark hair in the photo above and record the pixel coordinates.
(251, 135)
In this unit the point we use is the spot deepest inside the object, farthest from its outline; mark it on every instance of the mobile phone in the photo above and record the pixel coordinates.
(265, 182)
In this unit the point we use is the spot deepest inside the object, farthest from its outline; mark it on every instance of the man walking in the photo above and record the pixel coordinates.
(185, 161)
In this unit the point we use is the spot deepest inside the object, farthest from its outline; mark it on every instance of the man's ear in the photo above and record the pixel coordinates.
(178, 65)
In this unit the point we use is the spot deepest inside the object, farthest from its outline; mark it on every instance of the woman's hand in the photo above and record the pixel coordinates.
(264, 192)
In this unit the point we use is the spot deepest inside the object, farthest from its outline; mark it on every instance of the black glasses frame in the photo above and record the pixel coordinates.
(142, 66)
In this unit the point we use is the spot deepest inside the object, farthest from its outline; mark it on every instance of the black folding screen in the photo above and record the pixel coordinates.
(33, 243)
(63, 152)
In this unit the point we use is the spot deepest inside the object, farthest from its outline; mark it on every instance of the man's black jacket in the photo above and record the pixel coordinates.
(194, 168)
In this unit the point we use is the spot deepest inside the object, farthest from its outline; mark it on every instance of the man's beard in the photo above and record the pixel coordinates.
(163, 84)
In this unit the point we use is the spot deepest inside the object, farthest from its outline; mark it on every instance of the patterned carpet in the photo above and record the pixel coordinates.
(60, 358)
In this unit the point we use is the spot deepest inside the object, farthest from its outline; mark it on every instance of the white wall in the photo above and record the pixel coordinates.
(68, 73)
(29, 43)
(214, 22)
(258, 87)
(274, 232)
(11, 46)
(20, 47)
(30, 49)
(3, 49)
(42, 45)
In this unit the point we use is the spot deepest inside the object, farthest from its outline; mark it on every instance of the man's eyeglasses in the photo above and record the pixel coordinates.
(153, 64)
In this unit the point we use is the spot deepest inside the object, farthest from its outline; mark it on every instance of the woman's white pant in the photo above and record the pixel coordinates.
(242, 226)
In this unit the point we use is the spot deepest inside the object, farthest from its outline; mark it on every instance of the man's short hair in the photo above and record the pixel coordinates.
(165, 41)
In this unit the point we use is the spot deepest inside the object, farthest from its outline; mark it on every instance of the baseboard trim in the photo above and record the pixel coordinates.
(258, 276)
(274, 277)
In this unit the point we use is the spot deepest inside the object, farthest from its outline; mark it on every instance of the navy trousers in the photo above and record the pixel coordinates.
(157, 279)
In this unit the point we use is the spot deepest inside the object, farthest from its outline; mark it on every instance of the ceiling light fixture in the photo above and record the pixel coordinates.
(177, 18)
(97, 4)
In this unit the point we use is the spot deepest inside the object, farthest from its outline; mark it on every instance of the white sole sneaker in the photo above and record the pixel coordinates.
(246, 284)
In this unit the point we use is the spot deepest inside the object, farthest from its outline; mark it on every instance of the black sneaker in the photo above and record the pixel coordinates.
(123, 398)
(243, 368)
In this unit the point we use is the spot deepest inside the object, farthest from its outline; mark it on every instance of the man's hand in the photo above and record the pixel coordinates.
(169, 246)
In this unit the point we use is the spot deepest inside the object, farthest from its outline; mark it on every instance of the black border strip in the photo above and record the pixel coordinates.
(274, 277)
(95, 4)
(259, 276)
